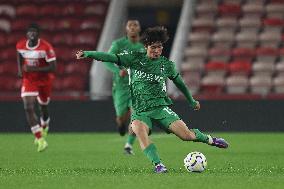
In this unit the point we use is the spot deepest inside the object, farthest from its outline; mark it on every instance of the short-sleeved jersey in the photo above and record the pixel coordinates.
(148, 79)
(123, 45)
(38, 56)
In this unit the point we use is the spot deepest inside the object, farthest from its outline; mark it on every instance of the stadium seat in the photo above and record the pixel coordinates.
(13, 39)
(212, 84)
(47, 24)
(275, 10)
(273, 24)
(266, 54)
(86, 37)
(62, 38)
(195, 54)
(73, 9)
(198, 39)
(281, 54)
(255, 10)
(10, 83)
(8, 54)
(77, 69)
(206, 10)
(237, 84)
(260, 84)
(192, 66)
(270, 40)
(263, 68)
(243, 54)
(8, 10)
(229, 10)
(98, 9)
(278, 84)
(246, 40)
(27, 11)
(8, 68)
(20, 25)
(279, 68)
(240, 68)
(251, 25)
(73, 83)
(216, 68)
(193, 81)
(51, 10)
(3, 40)
(5, 25)
(203, 25)
(227, 24)
(223, 39)
(94, 23)
(219, 54)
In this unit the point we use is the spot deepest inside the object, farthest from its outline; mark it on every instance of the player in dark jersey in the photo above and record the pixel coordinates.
(148, 75)
(120, 88)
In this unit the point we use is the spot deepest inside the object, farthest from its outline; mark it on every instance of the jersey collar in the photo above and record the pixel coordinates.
(32, 48)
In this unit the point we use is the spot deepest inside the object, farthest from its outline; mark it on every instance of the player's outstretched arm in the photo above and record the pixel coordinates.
(100, 56)
(178, 81)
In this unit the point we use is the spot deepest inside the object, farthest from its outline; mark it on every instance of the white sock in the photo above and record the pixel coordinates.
(210, 139)
(127, 145)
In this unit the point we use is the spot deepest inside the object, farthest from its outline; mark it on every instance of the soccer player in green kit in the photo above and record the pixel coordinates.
(120, 89)
(148, 75)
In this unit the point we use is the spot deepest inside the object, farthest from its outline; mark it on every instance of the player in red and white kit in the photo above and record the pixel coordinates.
(36, 66)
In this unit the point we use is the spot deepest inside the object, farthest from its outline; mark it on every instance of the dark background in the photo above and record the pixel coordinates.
(99, 116)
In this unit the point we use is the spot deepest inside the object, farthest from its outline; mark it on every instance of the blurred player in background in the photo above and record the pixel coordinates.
(120, 89)
(36, 67)
(148, 74)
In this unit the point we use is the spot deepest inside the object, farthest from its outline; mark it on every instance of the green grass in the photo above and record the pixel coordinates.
(253, 161)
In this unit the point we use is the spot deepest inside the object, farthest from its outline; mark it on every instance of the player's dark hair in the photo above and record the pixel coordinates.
(34, 26)
(154, 34)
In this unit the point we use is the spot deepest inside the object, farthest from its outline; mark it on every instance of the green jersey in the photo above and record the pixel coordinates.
(148, 79)
(122, 45)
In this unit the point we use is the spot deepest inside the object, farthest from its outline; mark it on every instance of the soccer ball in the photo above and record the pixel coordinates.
(195, 162)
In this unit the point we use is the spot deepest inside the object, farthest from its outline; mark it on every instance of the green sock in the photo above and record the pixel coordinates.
(200, 137)
(151, 153)
(131, 139)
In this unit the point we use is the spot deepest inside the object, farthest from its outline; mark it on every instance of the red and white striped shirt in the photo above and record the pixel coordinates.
(38, 56)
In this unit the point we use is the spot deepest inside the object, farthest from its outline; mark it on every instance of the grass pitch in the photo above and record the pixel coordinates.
(78, 161)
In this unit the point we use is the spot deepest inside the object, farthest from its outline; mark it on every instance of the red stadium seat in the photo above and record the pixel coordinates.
(27, 10)
(50, 10)
(3, 40)
(13, 39)
(20, 25)
(73, 9)
(10, 83)
(229, 9)
(267, 54)
(77, 69)
(216, 68)
(62, 38)
(240, 68)
(8, 54)
(243, 54)
(8, 68)
(72, 83)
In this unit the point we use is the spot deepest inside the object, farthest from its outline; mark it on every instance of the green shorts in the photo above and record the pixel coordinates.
(163, 115)
(122, 101)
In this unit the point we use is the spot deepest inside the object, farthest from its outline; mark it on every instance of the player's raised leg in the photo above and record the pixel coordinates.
(141, 130)
(180, 129)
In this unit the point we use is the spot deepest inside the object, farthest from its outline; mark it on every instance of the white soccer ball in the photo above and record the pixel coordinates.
(195, 162)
